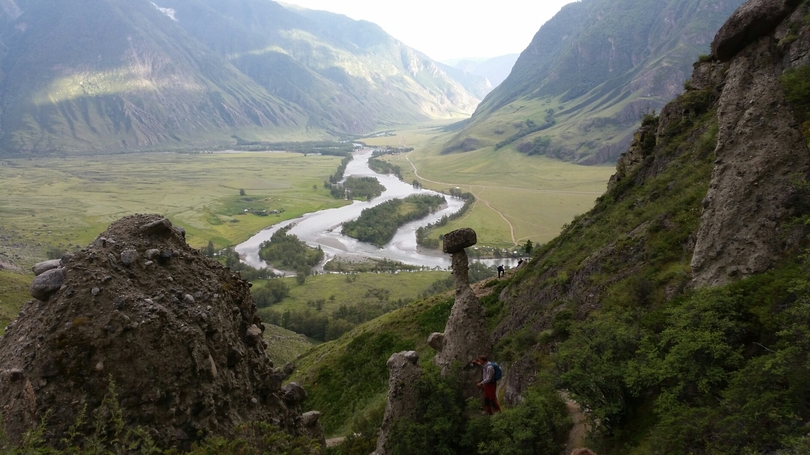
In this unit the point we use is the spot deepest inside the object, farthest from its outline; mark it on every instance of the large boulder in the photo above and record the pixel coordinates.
(178, 341)
(46, 284)
(752, 20)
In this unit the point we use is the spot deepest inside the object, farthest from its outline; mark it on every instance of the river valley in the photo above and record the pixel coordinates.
(322, 228)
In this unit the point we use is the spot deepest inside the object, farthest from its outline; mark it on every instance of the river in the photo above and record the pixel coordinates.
(322, 228)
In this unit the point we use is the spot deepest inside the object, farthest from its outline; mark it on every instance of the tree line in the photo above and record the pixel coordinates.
(377, 225)
(286, 251)
(423, 232)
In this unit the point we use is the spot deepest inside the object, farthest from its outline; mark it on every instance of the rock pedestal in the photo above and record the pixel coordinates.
(465, 336)
(404, 372)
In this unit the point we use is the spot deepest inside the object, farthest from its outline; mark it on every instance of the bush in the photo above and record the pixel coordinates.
(446, 424)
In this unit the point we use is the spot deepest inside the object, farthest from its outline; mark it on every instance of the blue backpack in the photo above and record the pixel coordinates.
(498, 372)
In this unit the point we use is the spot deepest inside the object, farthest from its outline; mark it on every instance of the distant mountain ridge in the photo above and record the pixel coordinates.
(589, 75)
(116, 75)
(495, 69)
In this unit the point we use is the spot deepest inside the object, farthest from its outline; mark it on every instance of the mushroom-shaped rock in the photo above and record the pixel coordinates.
(404, 372)
(159, 227)
(458, 240)
(753, 19)
(46, 285)
(436, 341)
(43, 267)
(293, 393)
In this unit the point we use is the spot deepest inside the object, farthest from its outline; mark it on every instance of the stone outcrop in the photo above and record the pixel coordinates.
(754, 19)
(404, 372)
(465, 336)
(760, 150)
(176, 333)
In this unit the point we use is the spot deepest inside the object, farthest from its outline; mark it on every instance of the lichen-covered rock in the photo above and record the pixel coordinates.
(47, 284)
(752, 20)
(44, 266)
(182, 368)
(158, 227)
(404, 371)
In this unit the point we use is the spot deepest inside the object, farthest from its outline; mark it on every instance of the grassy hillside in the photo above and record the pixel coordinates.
(13, 293)
(606, 312)
(589, 75)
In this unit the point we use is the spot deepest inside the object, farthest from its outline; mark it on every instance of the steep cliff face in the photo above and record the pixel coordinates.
(760, 151)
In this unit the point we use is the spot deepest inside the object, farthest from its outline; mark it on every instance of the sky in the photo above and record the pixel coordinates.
(451, 29)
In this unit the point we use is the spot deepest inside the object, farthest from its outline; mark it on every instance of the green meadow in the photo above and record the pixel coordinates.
(338, 289)
(65, 202)
(519, 197)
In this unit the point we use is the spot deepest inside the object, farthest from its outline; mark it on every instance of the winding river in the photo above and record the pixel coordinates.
(322, 228)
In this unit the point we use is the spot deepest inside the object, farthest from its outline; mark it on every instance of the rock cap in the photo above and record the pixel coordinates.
(752, 20)
(459, 239)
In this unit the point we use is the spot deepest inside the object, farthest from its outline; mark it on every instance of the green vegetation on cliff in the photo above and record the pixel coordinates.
(606, 312)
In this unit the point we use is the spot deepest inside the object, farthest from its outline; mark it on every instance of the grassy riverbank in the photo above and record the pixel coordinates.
(520, 197)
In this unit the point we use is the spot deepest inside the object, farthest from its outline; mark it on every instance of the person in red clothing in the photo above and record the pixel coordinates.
(489, 385)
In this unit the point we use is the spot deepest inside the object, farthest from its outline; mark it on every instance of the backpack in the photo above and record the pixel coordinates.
(498, 372)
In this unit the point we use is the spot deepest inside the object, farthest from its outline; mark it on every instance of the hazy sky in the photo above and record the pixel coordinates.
(446, 29)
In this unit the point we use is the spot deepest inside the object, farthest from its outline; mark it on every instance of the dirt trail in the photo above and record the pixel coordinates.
(576, 437)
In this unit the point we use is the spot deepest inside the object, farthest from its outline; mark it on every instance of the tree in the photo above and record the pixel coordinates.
(209, 250)
(241, 191)
(528, 247)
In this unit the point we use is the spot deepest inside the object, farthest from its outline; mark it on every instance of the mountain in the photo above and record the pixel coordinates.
(115, 75)
(495, 69)
(674, 314)
(580, 88)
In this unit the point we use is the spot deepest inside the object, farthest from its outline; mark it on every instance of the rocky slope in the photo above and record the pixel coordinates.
(138, 313)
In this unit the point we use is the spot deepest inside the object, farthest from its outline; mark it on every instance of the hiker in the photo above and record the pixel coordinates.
(500, 271)
(489, 382)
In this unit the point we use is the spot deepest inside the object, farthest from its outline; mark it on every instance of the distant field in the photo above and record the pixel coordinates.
(520, 197)
(66, 202)
(13, 293)
(405, 285)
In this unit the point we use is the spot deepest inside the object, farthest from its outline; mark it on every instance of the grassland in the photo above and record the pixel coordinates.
(520, 197)
(283, 345)
(13, 293)
(350, 289)
(65, 202)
